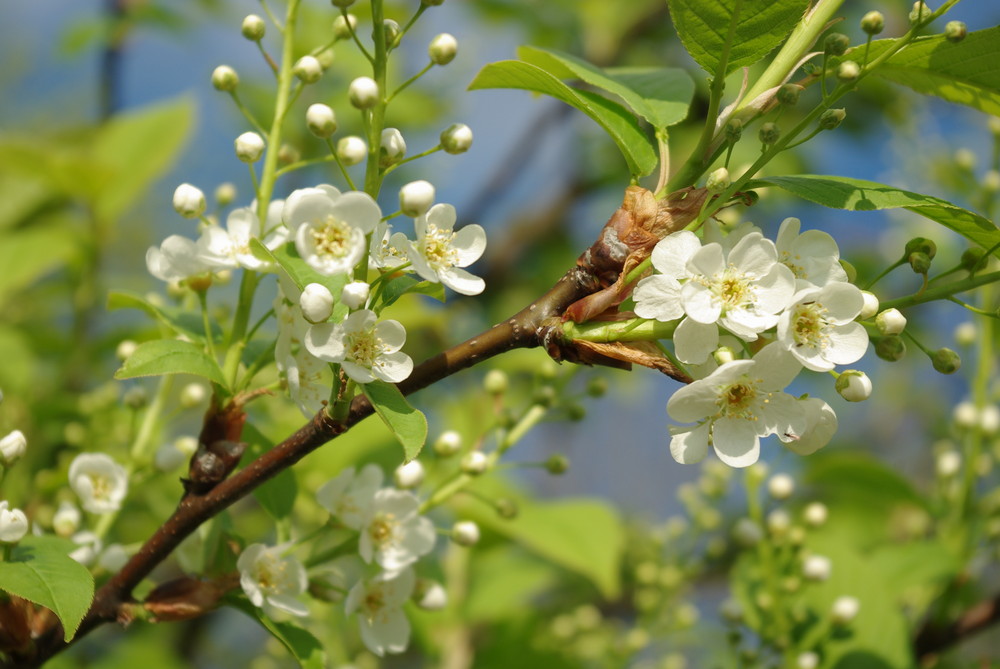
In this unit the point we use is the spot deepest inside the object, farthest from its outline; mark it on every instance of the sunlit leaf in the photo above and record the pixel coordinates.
(170, 356)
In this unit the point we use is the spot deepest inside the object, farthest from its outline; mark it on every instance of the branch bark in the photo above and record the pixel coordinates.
(934, 639)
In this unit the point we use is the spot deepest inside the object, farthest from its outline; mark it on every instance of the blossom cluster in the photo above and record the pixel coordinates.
(751, 313)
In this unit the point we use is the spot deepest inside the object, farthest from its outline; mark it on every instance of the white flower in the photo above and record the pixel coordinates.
(854, 386)
(813, 256)
(176, 259)
(100, 482)
(355, 294)
(66, 520)
(844, 609)
(816, 568)
(438, 252)
(330, 227)
(890, 322)
(416, 197)
(231, 247)
(815, 514)
(189, 201)
(659, 296)
(735, 406)
(387, 249)
(13, 524)
(316, 303)
(89, 546)
(308, 385)
(350, 498)
(379, 602)
(395, 535)
(819, 327)
(781, 486)
(367, 349)
(12, 448)
(271, 581)
(409, 474)
(821, 425)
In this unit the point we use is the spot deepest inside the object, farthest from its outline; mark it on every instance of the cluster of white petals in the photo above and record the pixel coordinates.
(99, 482)
(272, 580)
(439, 252)
(366, 348)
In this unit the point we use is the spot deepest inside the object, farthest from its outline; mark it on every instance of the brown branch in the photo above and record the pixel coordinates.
(934, 639)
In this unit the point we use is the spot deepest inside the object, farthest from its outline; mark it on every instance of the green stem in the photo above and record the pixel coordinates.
(249, 116)
(718, 88)
(207, 323)
(354, 35)
(340, 164)
(885, 272)
(942, 292)
(410, 159)
(409, 81)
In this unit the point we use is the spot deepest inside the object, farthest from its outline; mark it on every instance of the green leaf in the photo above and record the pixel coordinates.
(963, 72)
(405, 283)
(659, 95)
(860, 195)
(761, 25)
(170, 356)
(41, 571)
(181, 322)
(502, 579)
(28, 254)
(277, 495)
(304, 647)
(407, 424)
(615, 119)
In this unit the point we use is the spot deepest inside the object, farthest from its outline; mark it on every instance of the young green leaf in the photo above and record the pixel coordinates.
(30, 253)
(183, 323)
(406, 284)
(407, 424)
(616, 120)
(170, 356)
(299, 271)
(860, 195)
(761, 25)
(304, 647)
(41, 571)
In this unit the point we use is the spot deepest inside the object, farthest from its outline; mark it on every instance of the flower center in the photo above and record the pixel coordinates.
(374, 602)
(737, 400)
(332, 238)
(809, 325)
(101, 485)
(364, 347)
(382, 528)
(786, 259)
(437, 247)
(271, 576)
(732, 288)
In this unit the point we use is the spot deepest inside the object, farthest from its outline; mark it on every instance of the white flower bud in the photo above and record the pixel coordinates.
(308, 69)
(253, 27)
(815, 514)
(965, 415)
(807, 660)
(465, 533)
(224, 78)
(844, 610)
(189, 201)
(187, 445)
(66, 520)
(316, 302)
(363, 93)
(496, 382)
(409, 474)
(948, 464)
(456, 138)
(125, 349)
(249, 147)
(890, 322)
(869, 307)
(816, 568)
(113, 558)
(718, 181)
(448, 444)
(965, 333)
(355, 294)
(778, 521)
(474, 463)
(193, 394)
(321, 120)
(991, 181)
(392, 33)
(731, 610)
(168, 457)
(989, 419)
(430, 595)
(854, 386)
(781, 486)
(747, 532)
(343, 27)
(13, 524)
(225, 193)
(416, 197)
(12, 448)
(921, 12)
(351, 150)
(442, 49)
(848, 71)
(393, 146)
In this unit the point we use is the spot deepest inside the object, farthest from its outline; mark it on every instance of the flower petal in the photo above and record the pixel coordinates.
(690, 446)
(735, 441)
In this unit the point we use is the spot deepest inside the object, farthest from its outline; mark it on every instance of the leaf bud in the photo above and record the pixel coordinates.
(249, 147)
(506, 508)
(344, 25)
(734, 130)
(718, 181)
(848, 71)
(409, 474)
(321, 120)
(189, 201)
(225, 194)
(955, 31)
(351, 150)
(557, 464)
(363, 93)
(495, 382)
(474, 463)
(442, 49)
(946, 361)
(456, 138)
(316, 302)
(343, 4)
(832, 118)
(225, 79)
(416, 197)
(308, 69)
(12, 448)
(920, 13)
(253, 27)
(890, 349)
(355, 294)
(890, 322)
(465, 533)
(769, 133)
(854, 386)
(873, 23)
(919, 262)
(448, 443)
(836, 44)
(844, 610)
(393, 147)
(921, 244)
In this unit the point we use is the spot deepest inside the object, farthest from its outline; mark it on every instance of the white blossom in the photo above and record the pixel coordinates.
(817, 568)
(394, 533)
(781, 486)
(230, 247)
(815, 514)
(66, 520)
(871, 305)
(330, 227)
(272, 581)
(819, 328)
(249, 147)
(176, 259)
(813, 256)
(349, 498)
(465, 533)
(13, 524)
(416, 197)
(409, 474)
(439, 253)
(89, 546)
(844, 609)
(99, 481)
(393, 146)
(821, 425)
(387, 249)
(378, 603)
(366, 348)
(12, 448)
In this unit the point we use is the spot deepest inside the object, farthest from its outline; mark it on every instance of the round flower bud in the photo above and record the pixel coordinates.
(946, 361)
(989, 419)
(430, 595)
(224, 78)
(354, 294)
(465, 533)
(948, 464)
(66, 520)
(363, 93)
(991, 181)
(189, 201)
(788, 94)
(135, 397)
(873, 23)
(844, 610)
(747, 532)
(890, 322)
(734, 130)
(456, 138)
(316, 302)
(442, 49)
(966, 333)
(807, 660)
(557, 464)
(393, 147)
(955, 31)
(815, 514)
(781, 486)
(778, 522)
(13, 524)
(848, 71)
(253, 27)
(965, 415)
(474, 463)
(921, 245)
(392, 33)
(321, 120)
(718, 181)
(816, 568)
(920, 263)
(832, 118)
(965, 160)
(344, 25)
(249, 147)
(351, 150)
(343, 4)
(920, 12)
(597, 387)
(409, 474)
(308, 69)
(854, 386)
(448, 444)
(12, 448)
(870, 305)
(193, 394)
(225, 193)
(506, 508)
(769, 133)
(288, 154)
(416, 197)
(836, 44)
(495, 382)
